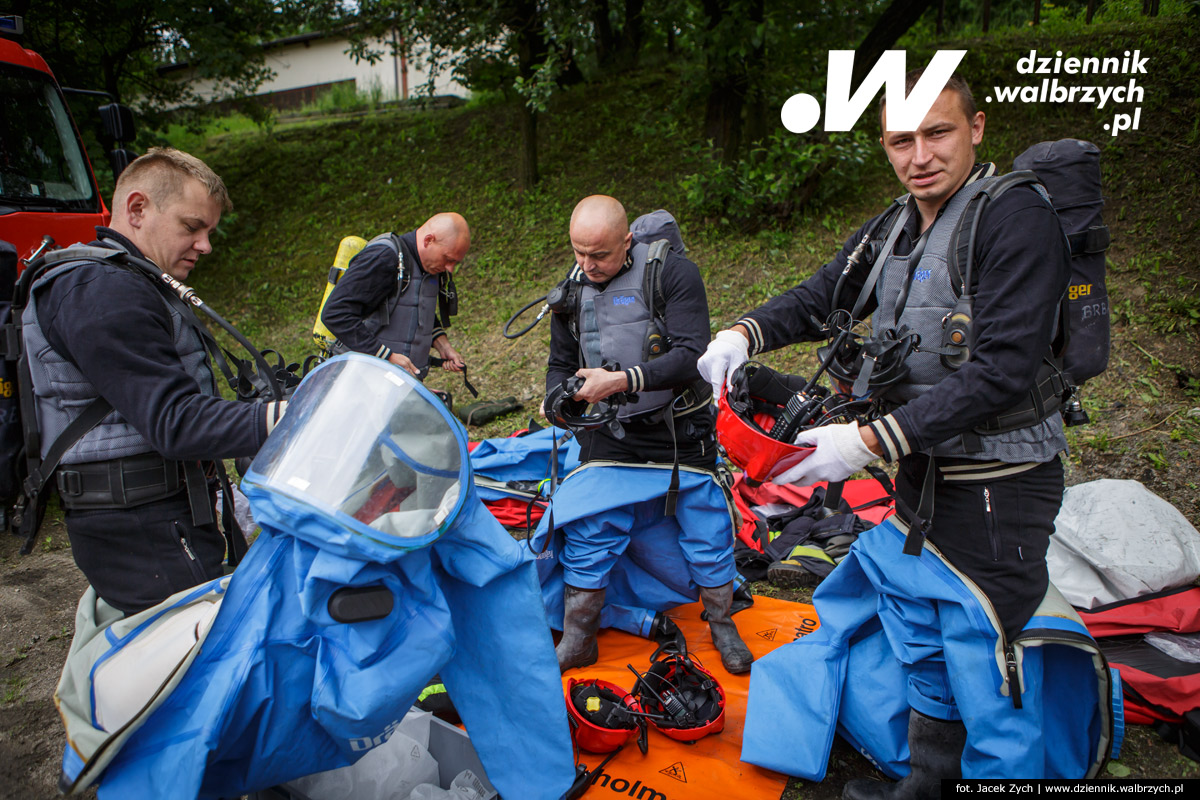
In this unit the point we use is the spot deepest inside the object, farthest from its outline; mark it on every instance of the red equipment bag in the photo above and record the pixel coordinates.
(1161, 683)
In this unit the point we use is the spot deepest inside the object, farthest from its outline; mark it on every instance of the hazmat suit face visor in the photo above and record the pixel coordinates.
(365, 458)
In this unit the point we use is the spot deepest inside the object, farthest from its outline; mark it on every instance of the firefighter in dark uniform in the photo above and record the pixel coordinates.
(397, 295)
(609, 330)
(995, 495)
(136, 487)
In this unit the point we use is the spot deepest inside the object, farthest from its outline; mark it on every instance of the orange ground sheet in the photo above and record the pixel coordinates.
(711, 768)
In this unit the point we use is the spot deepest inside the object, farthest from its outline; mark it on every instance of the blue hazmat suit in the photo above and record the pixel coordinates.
(900, 632)
(610, 532)
(520, 458)
(364, 486)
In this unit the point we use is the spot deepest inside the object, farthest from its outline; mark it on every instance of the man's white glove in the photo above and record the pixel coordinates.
(840, 453)
(725, 353)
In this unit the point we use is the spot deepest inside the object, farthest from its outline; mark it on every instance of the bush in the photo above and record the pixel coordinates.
(777, 178)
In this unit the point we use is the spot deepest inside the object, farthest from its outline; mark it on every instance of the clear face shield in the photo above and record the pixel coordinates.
(366, 447)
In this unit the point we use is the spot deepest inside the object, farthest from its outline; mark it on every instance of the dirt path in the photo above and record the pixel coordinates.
(38, 594)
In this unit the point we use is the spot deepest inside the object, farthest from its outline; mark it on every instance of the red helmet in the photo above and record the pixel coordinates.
(603, 715)
(745, 416)
(682, 699)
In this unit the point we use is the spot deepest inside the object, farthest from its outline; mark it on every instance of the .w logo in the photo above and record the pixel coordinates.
(801, 112)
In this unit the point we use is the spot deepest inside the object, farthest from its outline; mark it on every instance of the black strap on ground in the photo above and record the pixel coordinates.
(40, 469)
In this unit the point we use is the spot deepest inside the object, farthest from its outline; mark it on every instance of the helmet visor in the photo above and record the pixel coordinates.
(365, 444)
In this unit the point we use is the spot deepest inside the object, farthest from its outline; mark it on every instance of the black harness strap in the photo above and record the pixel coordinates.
(41, 469)
(920, 521)
(896, 225)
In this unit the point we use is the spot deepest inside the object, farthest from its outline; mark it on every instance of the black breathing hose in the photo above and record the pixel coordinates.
(545, 310)
(188, 295)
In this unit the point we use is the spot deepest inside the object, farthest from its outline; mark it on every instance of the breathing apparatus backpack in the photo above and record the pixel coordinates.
(351, 246)
(348, 248)
(10, 407)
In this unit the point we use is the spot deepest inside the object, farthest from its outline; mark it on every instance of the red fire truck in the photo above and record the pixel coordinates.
(48, 193)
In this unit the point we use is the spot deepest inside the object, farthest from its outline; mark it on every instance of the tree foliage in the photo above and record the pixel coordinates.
(117, 45)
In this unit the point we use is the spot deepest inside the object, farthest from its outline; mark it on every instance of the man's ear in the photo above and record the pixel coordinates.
(136, 206)
(628, 239)
(977, 125)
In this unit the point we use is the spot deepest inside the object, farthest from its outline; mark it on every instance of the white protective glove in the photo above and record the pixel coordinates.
(840, 453)
(725, 353)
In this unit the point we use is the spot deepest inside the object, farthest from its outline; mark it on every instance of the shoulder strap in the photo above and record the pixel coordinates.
(652, 289)
(891, 223)
(960, 260)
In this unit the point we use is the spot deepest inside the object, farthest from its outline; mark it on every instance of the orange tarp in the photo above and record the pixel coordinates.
(711, 768)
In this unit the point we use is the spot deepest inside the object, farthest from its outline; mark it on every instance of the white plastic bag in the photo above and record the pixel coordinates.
(388, 772)
(1115, 540)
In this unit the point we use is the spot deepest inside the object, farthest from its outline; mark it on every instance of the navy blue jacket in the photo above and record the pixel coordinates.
(369, 280)
(1023, 267)
(111, 323)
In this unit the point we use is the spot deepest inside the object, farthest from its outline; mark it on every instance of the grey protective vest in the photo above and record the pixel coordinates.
(615, 325)
(404, 321)
(931, 296)
(62, 392)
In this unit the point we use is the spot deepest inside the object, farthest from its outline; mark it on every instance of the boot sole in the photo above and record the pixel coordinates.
(791, 576)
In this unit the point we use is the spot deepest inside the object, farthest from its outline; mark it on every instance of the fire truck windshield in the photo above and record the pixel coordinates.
(42, 165)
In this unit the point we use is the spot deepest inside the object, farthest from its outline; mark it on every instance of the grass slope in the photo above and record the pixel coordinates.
(299, 190)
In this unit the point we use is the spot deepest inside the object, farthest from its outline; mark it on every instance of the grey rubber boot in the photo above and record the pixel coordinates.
(936, 748)
(581, 620)
(735, 656)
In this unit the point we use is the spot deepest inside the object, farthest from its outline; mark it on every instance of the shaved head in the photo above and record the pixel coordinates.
(600, 236)
(600, 212)
(443, 241)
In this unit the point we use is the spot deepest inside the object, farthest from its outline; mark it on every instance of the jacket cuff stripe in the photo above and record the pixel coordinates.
(383, 352)
(274, 412)
(891, 436)
(756, 335)
(637, 381)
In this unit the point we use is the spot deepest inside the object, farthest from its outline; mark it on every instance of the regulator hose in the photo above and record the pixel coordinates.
(545, 310)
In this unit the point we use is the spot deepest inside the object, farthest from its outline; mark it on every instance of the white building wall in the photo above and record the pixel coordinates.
(321, 61)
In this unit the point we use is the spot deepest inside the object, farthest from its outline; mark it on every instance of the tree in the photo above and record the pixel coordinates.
(519, 46)
(116, 46)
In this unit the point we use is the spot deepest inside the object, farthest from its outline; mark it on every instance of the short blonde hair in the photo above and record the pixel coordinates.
(161, 173)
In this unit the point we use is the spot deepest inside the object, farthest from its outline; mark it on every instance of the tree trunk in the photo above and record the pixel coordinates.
(730, 81)
(941, 20)
(1091, 11)
(632, 33)
(895, 21)
(531, 50)
(606, 41)
(527, 164)
(1037, 12)
(987, 15)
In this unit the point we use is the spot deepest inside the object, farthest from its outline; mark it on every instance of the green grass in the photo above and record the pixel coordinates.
(12, 690)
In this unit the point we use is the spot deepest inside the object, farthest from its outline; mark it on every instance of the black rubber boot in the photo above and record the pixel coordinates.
(581, 620)
(936, 748)
(735, 656)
